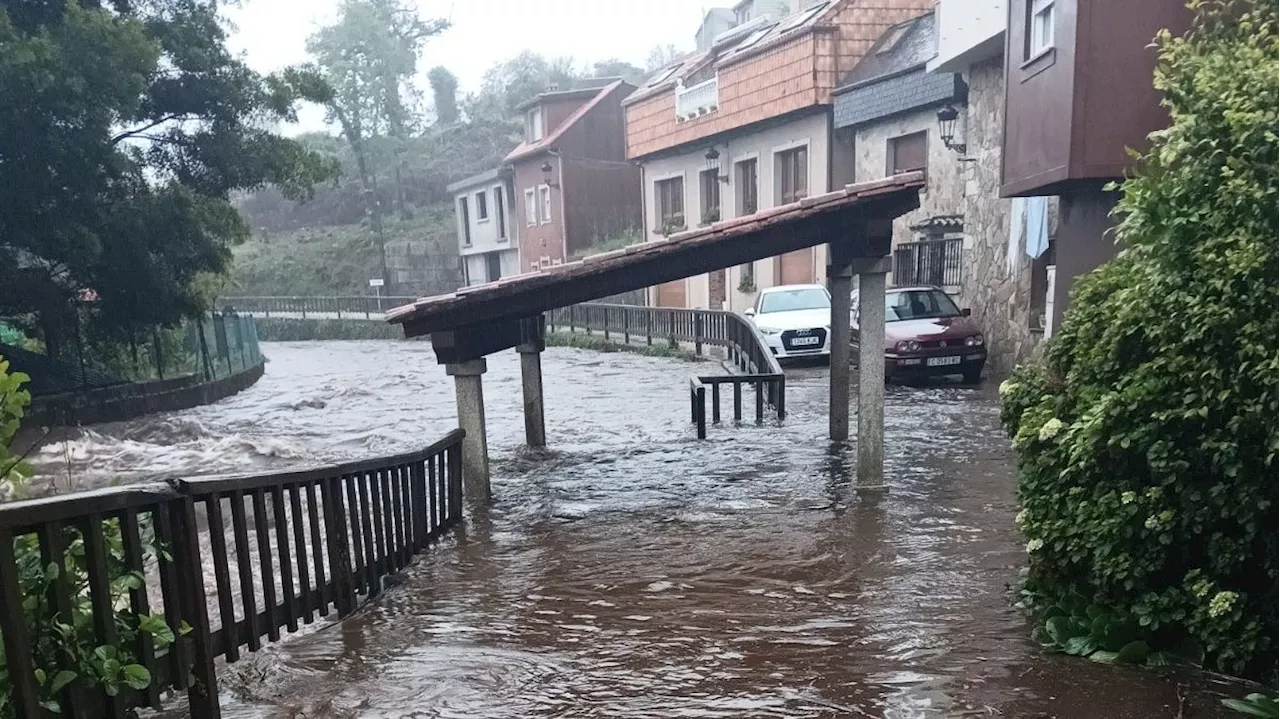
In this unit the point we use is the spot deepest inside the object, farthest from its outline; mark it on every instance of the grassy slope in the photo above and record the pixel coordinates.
(332, 260)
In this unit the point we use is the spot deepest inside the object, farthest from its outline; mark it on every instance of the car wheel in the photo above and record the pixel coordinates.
(973, 375)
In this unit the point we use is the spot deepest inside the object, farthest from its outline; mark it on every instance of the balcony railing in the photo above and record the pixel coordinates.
(697, 99)
(931, 262)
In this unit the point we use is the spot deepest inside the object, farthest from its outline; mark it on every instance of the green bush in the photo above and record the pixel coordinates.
(63, 646)
(13, 405)
(1147, 437)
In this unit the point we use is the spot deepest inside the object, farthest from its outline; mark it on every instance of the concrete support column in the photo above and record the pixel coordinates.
(475, 447)
(535, 431)
(871, 286)
(840, 281)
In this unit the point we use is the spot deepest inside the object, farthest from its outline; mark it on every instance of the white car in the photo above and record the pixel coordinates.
(794, 319)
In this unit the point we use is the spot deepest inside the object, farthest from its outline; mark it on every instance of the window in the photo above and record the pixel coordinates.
(709, 189)
(752, 39)
(493, 266)
(808, 298)
(670, 203)
(801, 17)
(464, 216)
(907, 153)
(663, 75)
(793, 175)
(935, 261)
(530, 208)
(748, 187)
(918, 305)
(1039, 27)
(482, 206)
(466, 271)
(501, 209)
(533, 124)
(544, 194)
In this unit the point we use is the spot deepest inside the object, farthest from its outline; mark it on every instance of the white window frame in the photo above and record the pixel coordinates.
(544, 202)
(500, 210)
(530, 207)
(534, 124)
(737, 189)
(657, 204)
(1041, 26)
(482, 201)
(810, 188)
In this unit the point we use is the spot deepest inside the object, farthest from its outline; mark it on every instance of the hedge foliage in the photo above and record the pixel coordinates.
(1147, 435)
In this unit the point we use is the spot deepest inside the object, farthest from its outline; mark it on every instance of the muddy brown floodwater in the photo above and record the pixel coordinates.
(633, 571)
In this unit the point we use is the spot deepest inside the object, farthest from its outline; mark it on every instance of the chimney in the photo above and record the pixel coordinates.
(552, 87)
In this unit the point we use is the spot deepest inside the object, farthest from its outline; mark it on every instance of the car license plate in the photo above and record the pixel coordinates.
(941, 361)
(804, 341)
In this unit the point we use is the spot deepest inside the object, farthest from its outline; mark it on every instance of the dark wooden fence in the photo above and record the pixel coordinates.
(299, 545)
(748, 361)
(353, 307)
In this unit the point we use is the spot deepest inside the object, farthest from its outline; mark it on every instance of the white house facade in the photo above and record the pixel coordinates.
(729, 176)
(487, 242)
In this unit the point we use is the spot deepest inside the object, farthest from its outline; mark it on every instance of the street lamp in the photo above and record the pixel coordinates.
(713, 164)
(947, 128)
(546, 175)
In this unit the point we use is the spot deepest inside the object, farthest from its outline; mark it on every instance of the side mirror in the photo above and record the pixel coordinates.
(750, 312)
(966, 312)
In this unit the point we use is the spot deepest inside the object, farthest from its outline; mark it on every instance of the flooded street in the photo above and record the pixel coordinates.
(633, 571)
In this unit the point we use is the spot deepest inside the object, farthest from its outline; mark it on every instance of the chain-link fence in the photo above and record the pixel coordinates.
(222, 345)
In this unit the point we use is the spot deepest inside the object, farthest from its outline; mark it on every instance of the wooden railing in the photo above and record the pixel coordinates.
(300, 544)
(351, 306)
(749, 361)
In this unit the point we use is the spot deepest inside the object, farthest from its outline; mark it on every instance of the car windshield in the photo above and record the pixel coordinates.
(801, 298)
(918, 305)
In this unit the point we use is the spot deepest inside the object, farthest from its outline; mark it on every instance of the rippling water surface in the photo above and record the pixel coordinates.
(633, 571)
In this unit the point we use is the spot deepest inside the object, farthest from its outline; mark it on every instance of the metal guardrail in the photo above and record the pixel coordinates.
(747, 352)
(306, 542)
(364, 305)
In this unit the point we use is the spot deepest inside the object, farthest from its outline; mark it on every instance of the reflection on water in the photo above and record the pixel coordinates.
(632, 571)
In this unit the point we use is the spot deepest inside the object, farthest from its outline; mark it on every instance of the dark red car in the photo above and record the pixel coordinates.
(926, 335)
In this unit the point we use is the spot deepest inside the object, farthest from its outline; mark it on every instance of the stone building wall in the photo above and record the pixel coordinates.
(1001, 299)
(421, 268)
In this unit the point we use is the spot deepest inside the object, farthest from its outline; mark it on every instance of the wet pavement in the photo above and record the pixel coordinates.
(633, 571)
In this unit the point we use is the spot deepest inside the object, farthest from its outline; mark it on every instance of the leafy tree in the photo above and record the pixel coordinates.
(1147, 441)
(127, 128)
(621, 69)
(369, 56)
(511, 82)
(661, 56)
(444, 92)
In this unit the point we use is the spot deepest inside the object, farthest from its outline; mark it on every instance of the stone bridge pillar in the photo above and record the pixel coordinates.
(871, 286)
(475, 446)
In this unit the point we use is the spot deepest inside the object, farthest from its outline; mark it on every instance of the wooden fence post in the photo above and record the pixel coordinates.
(339, 549)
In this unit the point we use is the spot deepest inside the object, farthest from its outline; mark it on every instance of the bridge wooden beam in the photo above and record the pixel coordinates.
(649, 264)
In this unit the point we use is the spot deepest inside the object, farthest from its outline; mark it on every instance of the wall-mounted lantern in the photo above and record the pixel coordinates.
(713, 164)
(546, 175)
(947, 128)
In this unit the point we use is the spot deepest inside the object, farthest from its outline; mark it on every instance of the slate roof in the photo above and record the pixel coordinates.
(891, 78)
(902, 47)
(648, 263)
(774, 32)
(476, 179)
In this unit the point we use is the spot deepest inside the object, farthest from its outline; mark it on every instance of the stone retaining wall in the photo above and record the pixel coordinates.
(115, 404)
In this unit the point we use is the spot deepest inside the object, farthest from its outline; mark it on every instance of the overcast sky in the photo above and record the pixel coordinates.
(273, 33)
